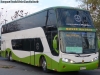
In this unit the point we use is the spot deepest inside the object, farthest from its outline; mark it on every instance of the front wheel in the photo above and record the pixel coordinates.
(44, 65)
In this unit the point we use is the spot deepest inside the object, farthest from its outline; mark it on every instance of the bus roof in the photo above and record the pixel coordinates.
(67, 7)
(47, 9)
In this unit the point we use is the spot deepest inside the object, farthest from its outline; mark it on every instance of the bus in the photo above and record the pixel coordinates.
(57, 38)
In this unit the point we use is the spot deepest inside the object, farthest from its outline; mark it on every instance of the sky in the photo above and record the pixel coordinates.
(9, 8)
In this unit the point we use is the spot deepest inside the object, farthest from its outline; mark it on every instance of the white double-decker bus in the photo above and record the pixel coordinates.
(57, 38)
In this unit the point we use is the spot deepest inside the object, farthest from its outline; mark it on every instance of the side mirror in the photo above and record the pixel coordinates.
(55, 44)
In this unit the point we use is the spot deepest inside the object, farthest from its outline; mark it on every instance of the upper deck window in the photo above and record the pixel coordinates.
(74, 18)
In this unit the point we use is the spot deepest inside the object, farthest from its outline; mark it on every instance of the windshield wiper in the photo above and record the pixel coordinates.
(78, 55)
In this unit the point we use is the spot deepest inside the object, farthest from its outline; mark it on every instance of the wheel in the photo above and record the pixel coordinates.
(10, 57)
(44, 65)
(7, 55)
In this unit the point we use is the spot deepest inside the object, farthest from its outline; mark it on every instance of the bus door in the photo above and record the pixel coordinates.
(36, 48)
(51, 36)
(54, 49)
(32, 52)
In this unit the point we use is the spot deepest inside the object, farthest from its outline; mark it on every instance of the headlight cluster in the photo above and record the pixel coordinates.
(94, 59)
(67, 60)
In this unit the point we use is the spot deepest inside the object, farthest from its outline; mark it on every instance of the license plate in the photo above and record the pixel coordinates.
(82, 68)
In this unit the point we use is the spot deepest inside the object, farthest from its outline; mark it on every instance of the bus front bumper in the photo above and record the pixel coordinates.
(64, 67)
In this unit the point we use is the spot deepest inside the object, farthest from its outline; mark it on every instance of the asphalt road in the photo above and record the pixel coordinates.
(17, 68)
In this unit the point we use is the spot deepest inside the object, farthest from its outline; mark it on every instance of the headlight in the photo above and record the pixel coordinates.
(67, 60)
(94, 59)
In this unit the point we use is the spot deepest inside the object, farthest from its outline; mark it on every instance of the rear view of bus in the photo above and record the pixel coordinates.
(77, 40)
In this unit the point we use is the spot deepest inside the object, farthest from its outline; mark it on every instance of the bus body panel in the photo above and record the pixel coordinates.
(80, 58)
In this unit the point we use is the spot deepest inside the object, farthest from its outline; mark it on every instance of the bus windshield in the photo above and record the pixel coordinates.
(74, 18)
(78, 42)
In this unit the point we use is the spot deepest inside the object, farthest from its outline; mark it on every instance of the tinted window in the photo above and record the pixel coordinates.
(51, 17)
(29, 44)
(4, 29)
(26, 43)
(38, 45)
(74, 18)
(36, 20)
(17, 44)
(32, 44)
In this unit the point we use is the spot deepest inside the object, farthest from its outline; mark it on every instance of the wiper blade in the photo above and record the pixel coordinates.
(78, 55)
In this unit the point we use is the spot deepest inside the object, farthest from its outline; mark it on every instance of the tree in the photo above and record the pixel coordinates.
(18, 14)
(94, 7)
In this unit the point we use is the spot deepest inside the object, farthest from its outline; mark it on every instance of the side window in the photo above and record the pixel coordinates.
(21, 44)
(17, 44)
(38, 45)
(51, 18)
(4, 29)
(13, 42)
(35, 20)
(26, 44)
(11, 27)
(32, 44)
(40, 19)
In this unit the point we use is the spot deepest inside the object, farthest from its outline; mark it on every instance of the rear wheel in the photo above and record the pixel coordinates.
(7, 55)
(10, 57)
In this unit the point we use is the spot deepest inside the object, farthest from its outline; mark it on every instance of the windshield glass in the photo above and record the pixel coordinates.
(74, 18)
(78, 42)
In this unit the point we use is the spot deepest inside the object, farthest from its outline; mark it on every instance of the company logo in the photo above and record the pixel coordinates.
(19, 1)
(77, 18)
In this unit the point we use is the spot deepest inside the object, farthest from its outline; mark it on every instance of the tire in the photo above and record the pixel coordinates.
(44, 65)
(7, 55)
(10, 57)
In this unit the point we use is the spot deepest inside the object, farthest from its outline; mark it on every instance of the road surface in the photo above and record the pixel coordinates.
(17, 68)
